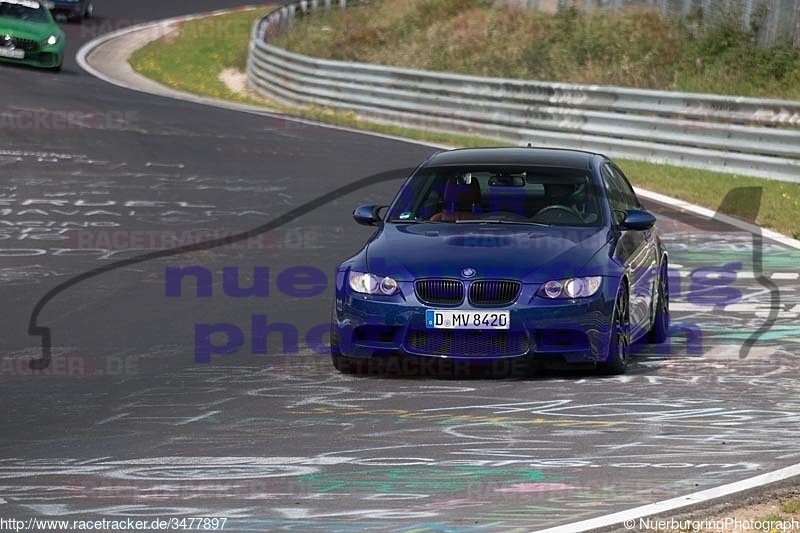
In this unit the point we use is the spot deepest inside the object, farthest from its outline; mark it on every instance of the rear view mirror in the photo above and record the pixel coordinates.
(638, 220)
(368, 215)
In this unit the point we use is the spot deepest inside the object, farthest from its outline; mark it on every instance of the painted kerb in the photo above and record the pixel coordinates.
(756, 137)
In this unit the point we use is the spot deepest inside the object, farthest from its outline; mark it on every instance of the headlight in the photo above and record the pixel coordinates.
(53, 39)
(369, 284)
(571, 288)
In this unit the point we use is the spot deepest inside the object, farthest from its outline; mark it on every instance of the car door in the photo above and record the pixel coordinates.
(635, 249)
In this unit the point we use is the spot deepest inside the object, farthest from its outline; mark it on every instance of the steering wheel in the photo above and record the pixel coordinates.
(561, 209)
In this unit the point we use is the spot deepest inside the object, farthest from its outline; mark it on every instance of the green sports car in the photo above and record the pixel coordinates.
(29, 35)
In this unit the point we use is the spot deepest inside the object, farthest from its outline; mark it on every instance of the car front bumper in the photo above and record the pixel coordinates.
(46, 56)
(570, 331)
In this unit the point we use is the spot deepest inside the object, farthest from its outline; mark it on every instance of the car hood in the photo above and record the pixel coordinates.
(532, 254)
(27, 29)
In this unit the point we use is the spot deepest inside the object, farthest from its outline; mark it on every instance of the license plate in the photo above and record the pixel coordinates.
(467, 319)
(14, 54)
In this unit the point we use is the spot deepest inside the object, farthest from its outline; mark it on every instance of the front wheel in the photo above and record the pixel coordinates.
(619, 342)
(342, 363)
(346, 365)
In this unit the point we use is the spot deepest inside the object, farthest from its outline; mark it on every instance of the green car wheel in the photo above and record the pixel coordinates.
(29, 35)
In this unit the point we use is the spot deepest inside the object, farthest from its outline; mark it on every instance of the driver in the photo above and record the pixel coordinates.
(563, 194)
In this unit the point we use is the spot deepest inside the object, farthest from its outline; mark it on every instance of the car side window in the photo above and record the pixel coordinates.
(617, 199)
(625, 186)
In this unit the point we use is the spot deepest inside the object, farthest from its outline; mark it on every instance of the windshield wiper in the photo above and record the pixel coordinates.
(419, 221)
(499, 221)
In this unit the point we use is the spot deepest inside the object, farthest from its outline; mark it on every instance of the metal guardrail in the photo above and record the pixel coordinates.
(756, 137)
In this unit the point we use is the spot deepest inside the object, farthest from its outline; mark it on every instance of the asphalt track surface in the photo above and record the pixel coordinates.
(125, 423)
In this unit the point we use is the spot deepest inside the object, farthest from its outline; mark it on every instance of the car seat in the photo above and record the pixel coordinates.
(461, 201)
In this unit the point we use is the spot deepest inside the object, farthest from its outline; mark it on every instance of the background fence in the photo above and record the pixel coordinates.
(776, 20)
(742, 135)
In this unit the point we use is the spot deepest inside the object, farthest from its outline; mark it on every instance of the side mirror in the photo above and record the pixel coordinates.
(368, 215)
(638, 220)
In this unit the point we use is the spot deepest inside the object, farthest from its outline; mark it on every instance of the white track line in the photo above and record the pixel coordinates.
(681, 205)
(164, 91)
(620, 518)
(633, 515)
(164, 24)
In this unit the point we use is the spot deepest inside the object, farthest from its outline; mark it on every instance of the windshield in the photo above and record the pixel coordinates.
(24, 10)
(532, 195)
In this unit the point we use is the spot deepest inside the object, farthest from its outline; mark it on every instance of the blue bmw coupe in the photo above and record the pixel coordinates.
(541, 255)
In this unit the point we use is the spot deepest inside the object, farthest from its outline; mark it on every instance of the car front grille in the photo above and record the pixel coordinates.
(440, 291)
(467, 343)
(493, 292)
(29, 45)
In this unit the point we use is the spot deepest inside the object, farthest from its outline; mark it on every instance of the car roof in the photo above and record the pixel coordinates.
(548, 157)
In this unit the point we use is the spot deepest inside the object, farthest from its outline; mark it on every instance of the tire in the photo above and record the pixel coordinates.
(619, 342)
(345, 365)
(659, 332)
(342, 363)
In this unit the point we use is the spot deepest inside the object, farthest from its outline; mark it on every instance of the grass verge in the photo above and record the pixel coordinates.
(192, 56)
(187, 61)
(631, 47)
(791, 506)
